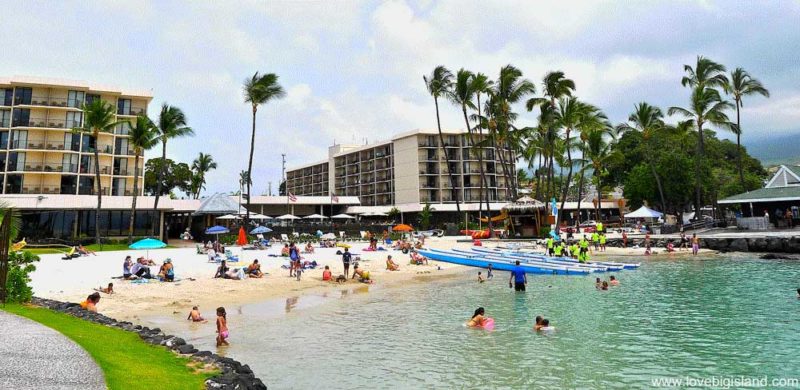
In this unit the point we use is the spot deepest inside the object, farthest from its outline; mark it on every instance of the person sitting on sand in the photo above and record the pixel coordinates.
(285, 250)
(477, 319)
(106, 290)
(254, 270)
(391, 265)
(85, 252)
(195, 315)
(418, 259)
(91, 302)
(166, 272)
(126, 267)
(222, 270)
(222, 327)
(309, 248)
(538, 325)
(613, 281)
(327, 276)
(141, 270)
(363, 276)
(670, 247)
(147, 262)
(481, 279)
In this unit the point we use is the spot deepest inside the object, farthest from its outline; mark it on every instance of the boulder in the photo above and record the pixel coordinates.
(174, 342)
(774, 245)
(793, 245)
(738, 245)
(187, 349)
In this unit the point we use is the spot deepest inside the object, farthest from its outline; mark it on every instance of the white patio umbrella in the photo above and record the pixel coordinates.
(259, 216)
(374, 214)
(287, 217)
(229, 216)
(343, 216)
(315, 216)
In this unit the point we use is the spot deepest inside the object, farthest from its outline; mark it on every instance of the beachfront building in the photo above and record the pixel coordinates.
(407, 172)
(39, 152)
(775, 205)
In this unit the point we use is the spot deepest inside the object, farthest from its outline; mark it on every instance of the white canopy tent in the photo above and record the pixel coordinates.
(343, 216)
(315, 216)
(644, 212)
(287, 217)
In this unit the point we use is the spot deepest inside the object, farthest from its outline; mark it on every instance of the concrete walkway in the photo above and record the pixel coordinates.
(33, 356)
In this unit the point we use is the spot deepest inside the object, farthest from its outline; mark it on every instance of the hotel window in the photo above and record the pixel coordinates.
(85, 185)
(121, 146)
(74, 119)
(5, 118)
(8, 96)
(118, 187)
(14, 184)
(88, 143)
(19, 139)
(86, 165)
(90, 97)
(121, 166)
(123, 128)
(69, 163)
(124, 107)
(22, 95)
(75, 98)
(4, 140)
(72, 142)
(69, 184)
(16, 161)
(22, 117)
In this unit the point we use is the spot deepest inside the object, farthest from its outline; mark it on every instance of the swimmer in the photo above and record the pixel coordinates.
(613, 281)
(481, 279)
(195, 315)
(477, 318)
(798, 293)
(538, 325)
(546, 326)
(605, 286)
(598, 283)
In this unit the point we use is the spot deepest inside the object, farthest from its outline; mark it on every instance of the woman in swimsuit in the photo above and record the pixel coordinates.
(477, 318)
(222, 327)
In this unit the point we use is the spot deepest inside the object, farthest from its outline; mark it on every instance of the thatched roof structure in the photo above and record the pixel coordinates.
(524, 205)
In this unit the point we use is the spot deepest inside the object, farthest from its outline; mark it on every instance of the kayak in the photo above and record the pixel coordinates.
(546, 261)
(500, 264)
(613, 266)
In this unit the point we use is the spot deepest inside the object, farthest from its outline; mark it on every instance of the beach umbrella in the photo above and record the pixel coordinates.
(260, 230)
(287, 217)
(315, 216)
(343, 216)
(242, 237)
(147, 244)
(259, 216)
(229, 216)
(217, 230)
(403, 228)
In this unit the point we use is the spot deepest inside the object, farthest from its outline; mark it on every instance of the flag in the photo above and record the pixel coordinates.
(334, 198)
(292, 197)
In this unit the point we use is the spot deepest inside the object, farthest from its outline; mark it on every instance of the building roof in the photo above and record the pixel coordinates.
(217, 204)
(774, 194)
(78, 84)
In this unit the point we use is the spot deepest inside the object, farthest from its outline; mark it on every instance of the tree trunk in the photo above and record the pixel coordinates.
(739, 146)
(99, 188)
(538, 177)
(161, 173)
(453, 186)
(697, 170)
(5, 242)
(135, 194)
(658, 184)
(484, 191)
(599, 200)
(580, 188)
(250, 169)
(566, 183)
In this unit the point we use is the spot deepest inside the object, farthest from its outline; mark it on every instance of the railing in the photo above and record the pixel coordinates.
(426, 144)
(107, 149)
(91, 191)
(132, 111)
(46, 123)
(104, 169)
(54, 102)
(40, 144)
(122, 172)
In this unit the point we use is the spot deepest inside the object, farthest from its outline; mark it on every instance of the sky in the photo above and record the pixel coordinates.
(352, 70)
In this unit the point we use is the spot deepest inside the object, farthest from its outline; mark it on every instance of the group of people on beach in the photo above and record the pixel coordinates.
(141, 269)
(579, 250)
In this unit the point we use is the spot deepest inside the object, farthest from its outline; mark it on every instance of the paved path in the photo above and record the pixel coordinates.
(33, 356)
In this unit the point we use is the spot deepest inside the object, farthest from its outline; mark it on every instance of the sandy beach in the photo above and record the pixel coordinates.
(73, 280)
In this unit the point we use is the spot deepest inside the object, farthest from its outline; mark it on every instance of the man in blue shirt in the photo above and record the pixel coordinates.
(518, 277)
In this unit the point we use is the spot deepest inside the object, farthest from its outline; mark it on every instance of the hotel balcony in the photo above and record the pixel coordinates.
(52, 102)
(51, 123)
(132, 111)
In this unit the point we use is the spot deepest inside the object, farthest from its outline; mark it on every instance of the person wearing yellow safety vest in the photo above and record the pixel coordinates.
(584, 244)
(599, 227)
(550, 243)
(558, 248)
(573, 250)
(595, 240)
(603, 242)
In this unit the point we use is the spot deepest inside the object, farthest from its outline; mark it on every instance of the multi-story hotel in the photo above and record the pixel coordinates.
(39, 152)
(408, 170)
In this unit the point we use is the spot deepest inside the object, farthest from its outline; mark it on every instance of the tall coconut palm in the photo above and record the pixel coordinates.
(705, 107)
(438, 84)
(99, 117)
(554, 87)
(141, 137)
(510, 88)
(258, 90)
(594, 122)
(480, 84)
(648, 120)
(202, 165)
(600, 152)
(461, 95)
(171, 124)
(739, 85)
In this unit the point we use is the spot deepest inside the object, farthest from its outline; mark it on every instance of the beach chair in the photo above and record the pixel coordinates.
(296, 235)
(284, 237)
(200, 250)
(230, 257)
(364, 235)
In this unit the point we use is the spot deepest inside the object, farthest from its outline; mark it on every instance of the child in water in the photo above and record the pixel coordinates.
(489, 272)
(222, 327)
(195, 316)
(546, 326)
(605, 286)
(538, 325)
(598, 283)
(481, 279)
(614, 281)
(477, 318)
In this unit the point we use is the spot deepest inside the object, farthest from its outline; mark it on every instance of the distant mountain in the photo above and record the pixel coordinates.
(776, 150)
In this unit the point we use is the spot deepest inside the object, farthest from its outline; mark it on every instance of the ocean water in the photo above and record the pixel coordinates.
(711, 317)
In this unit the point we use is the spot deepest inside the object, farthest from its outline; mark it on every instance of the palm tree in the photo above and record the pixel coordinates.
(202, 165)
(171, 124)
(554, 87)
(648, 120)
(9, 227)
(438, 84)
(510, 88)
(480, 84)
(99, 116)
(705, 106)
(258, 90)
(600, 152)
(142, 136)
(595, 122)
(741, 84)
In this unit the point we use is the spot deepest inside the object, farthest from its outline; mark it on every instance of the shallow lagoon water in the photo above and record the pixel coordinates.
(671, 318)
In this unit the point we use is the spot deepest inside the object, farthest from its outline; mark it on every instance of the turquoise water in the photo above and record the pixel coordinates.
(698, 318)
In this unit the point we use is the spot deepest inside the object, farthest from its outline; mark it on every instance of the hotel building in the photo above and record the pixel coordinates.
(39, 152)
(407, 172)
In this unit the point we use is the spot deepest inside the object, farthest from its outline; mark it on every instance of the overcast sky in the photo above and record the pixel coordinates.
(353, 70)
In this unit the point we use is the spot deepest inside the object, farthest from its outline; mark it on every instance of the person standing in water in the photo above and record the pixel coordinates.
(489, 273)
(222, 327)
(695, 244)
(346, 257)
(518, 278)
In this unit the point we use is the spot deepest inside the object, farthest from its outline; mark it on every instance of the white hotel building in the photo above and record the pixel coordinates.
(407, 172)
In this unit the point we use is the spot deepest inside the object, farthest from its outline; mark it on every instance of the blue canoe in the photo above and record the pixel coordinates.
(499, 264)
(613, 266)
(552, 261)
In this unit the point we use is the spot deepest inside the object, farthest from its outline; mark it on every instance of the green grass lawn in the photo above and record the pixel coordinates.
(91, 247)
(127, 361)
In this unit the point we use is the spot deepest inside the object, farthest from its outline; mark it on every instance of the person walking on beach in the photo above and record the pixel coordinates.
(684, 242)
(222, 327)
(695, 244)
(294, 259)
(518, 278)
(346, 257)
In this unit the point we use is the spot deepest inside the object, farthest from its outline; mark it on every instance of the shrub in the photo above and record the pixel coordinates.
(20, 265)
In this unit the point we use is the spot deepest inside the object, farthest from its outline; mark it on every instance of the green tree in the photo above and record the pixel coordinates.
(705, 107)
(648, 120)
(142, 136)
(99, 117)
(480, 84)
(201, 165)
(509, 89)
(739, 85)
(173, 176)
(439, 84)
(258, 90)
(171, 124)
(425, 216)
